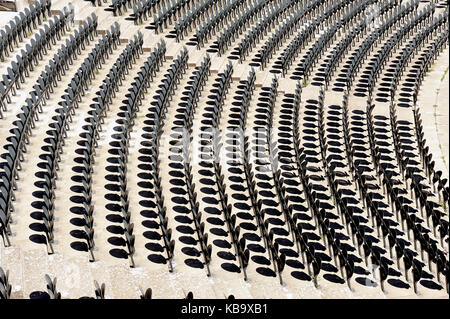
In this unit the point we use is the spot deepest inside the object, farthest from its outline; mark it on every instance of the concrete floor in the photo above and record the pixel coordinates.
(29, 262)
(434, 102)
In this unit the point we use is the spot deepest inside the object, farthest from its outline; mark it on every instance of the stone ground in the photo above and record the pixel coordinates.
(28, 262)
(433, 101)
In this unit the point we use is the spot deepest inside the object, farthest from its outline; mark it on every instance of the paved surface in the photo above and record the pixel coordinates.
(28, 262)
(434, 104)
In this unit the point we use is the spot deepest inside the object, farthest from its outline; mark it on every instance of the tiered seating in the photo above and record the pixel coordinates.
(162, 165)
(34, 51)
(251, 13)
(91, 134)
(18, 28)
(169, 13)
(120, 6)
(26, 119)
(194, 15)
(241, 227)
(77, 88)
(151, 142)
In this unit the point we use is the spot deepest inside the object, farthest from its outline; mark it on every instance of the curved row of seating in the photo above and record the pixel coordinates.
(415, 44)
(73, 95)
(266, 158)
(391, 185)
(18, 28)
(226, 37)
(91, 131)
(195, 15)
(340, 50)
(263, 26)
(393, 41)
(283, 32)
(325, 39)
(299, 42)
(141, 9)
(26, 119)
(221, 228)
(186, 112)
(236, 173)
(388, 185)
(30, 56)
(169, 11)
(152, 177)
(218, 20)
(121, 6)
(411, 168)
(400, 14)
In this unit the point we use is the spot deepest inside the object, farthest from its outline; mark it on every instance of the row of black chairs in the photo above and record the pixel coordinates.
(238, 237)
(317, 50)
(121, 6)
(409, 167)
(298, 43)
(211, 163)
(424, 150)
(231, 32)
(302, 38)
(302, 158)
(239, 118)
(183, 172)
(279, 249)
(141, 10)
(419, 39)
(22, 24)
(392, 186)
(152, 135)
(317, 197)
(398, 14)
(397, 39)
(344, 199)
(199, 12)
(427, 162)
(26, 119)
(145, 77)
(135, 96)
(170, 13)
(348, 206)
(275, 15)
(414, 46)
(222, 86)
(97, 113)
(30, 56)
(330, 34)
(71, 98)
(340, 50)
(218, 20)
(262, 159)
(352, 37)
(410, 171)
(369, 192)
(288, 166)
(286, 30)
(193, 92)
